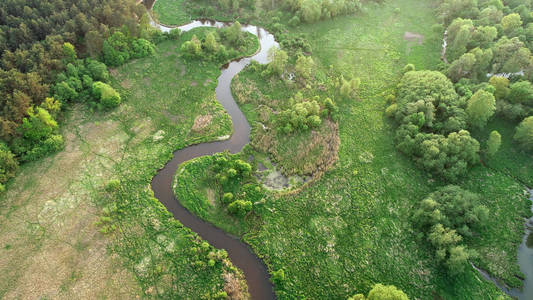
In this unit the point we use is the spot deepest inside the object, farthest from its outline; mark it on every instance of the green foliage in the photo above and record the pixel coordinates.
(192, 48)
(493, 143)
(227, 198)
(510, 55)
(38, 136)
(409, 68)
(141, 48)
(240, 207)
(480, 107)
(446, 217)
(119, 48)
(52, 105)
(69, 52)
(431, 94)
(108, 97)
(234, 34)
(113, 185)
(8, 164)
(521, 92)
(427, 102)
(215, 45)
(278, 61)
(386, 292)
(278, 277)
(501, 84)
(302, 114)
(305, 66)
(349, 88)
(511, 23)
(524, 134)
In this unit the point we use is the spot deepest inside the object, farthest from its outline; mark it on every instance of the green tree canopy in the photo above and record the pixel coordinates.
(480, 107)
(524, 133)
(493, 143)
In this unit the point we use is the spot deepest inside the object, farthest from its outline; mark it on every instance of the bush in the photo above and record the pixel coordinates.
(227, 198)
(278, 277)
(493, 143)
(112, 185)
(108, 97)
(240, 207)
(382, 292)
(408, 68)
(294, 21)
(8, 164)
(142, 48)
(524, 134)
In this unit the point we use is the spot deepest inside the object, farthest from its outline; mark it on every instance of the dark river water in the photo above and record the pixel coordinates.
(241, 254)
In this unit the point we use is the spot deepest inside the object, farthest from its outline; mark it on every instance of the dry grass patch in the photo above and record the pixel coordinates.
(51, 247)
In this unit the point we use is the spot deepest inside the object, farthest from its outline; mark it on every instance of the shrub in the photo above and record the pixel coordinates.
(493, 143)
(408, 68)
(240, 207)
(8, 164)
(108, 97)
(278, 277)
(294, 21)
(112, 185)
(227, 198)
(524, 134)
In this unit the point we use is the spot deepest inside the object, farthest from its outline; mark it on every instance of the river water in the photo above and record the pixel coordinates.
(241, 255)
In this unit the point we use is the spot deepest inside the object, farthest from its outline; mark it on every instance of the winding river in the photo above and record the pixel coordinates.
(241, 255)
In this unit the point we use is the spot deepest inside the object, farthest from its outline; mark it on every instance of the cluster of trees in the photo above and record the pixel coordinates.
(83, 81)
(432, 122)
(382, 292)
(217, 45)
(234, 178)
(208, 48)
(492, 38)
(303, 66)
(446, 219)
(120, 48)
(302, 114)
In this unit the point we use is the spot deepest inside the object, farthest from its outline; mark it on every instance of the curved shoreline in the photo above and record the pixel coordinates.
(240, 253)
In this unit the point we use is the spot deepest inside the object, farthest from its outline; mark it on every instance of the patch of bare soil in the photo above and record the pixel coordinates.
(207, 81)
(413, 37)
(50, 245)
(211, 197)
(194, 83)
(235, 287)
(201, 122)
(126, 83)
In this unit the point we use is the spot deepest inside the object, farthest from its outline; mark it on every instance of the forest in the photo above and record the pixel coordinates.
(353, 149)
